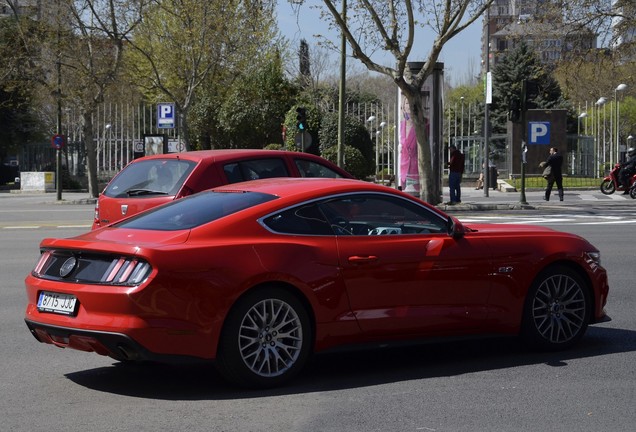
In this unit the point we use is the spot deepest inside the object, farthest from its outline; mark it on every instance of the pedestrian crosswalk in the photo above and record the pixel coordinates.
(552, 219)
(534, 195)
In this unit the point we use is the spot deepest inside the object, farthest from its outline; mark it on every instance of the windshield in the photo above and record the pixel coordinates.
(195, 210)
(150, 178)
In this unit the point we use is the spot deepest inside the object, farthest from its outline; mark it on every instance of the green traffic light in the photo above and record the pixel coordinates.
(301, 118)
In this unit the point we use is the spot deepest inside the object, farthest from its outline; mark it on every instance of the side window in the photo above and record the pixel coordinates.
(233, 173)
(376, 214)
(309, 168)
(302, 220)
(255, 169)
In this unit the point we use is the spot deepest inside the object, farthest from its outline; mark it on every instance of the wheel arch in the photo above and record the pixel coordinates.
(528, 330)
(286, 286)
(580, 271)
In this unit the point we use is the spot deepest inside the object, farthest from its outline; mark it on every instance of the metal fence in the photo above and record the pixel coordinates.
(117, 130)
(120, 128)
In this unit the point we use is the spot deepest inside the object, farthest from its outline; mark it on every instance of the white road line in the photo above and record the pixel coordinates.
(617, 197)
(618, 222)
(588, 197)
(22, 227)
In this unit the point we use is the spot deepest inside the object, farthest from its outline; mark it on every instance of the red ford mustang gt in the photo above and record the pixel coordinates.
(259, 275)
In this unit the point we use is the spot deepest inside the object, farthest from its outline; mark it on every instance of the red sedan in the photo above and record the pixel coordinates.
(154, 180)
(259, 275)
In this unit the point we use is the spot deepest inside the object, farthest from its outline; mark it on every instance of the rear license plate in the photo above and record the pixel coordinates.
(57, 303)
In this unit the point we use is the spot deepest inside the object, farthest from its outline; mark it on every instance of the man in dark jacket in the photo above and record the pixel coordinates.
(455, 172)
(554, 161)
(628, 168)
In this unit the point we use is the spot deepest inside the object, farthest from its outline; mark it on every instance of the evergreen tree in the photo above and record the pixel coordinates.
(543, 91)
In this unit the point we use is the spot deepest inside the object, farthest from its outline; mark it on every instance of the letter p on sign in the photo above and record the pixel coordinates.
(165, 115)
(539, 133)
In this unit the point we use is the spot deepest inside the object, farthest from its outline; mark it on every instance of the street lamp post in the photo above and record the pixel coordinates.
(583, 115)
(620, 87)
(370, 120)
(461, 125)
(382, 161)
(599, 103)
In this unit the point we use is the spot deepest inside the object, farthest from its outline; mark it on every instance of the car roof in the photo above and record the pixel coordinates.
(288, 187)
(226, 154)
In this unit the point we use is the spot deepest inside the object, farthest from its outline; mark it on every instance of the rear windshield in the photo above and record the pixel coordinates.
(150, 178)
(195, 210)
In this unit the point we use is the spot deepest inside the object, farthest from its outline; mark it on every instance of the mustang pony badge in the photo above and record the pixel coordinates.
(124, 209)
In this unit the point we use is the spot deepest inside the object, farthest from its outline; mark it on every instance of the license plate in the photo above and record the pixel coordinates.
(57, 303)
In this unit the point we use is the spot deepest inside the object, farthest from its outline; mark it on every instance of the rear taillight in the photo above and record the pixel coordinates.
(96, 217)
(84, 267)
(126, 271)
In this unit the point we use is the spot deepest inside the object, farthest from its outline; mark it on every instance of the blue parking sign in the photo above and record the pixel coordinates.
(165, 115)
(539, 133)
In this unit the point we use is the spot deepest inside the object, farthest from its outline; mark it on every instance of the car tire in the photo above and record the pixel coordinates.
(608, 187)
(557, 309)
(266, 339)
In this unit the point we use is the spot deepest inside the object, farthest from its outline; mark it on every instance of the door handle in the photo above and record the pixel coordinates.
(357, 259)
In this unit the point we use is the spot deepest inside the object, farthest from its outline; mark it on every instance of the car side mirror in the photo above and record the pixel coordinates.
(455, 228)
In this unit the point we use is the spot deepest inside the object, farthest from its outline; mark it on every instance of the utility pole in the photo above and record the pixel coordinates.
(341, 96)
(524, 132)
(486, 164)
(58, 151)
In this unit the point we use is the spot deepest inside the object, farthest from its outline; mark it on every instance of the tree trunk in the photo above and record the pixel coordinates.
(428, 186)
(184, 133)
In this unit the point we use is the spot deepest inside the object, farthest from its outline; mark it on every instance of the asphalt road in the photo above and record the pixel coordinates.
(484, 385)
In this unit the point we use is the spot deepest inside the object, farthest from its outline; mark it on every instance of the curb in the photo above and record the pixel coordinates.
(484, 207)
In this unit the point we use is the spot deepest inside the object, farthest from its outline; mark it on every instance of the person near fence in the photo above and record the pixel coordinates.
(455, 172)
(554, 174)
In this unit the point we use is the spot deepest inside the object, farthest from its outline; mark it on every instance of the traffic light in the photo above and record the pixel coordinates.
(531, 90)
(301, 119)
(514, 111)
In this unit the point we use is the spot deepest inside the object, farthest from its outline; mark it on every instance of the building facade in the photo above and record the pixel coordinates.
(539, 24)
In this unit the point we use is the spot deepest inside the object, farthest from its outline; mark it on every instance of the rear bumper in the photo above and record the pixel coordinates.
(115, 345)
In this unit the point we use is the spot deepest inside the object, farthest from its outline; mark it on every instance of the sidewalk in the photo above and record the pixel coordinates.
(475, 200)
(68, 197)
(472, 200)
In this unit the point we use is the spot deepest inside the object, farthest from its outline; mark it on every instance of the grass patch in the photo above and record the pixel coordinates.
(568, 182)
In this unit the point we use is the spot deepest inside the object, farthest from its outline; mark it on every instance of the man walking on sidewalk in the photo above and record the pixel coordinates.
(554, 161)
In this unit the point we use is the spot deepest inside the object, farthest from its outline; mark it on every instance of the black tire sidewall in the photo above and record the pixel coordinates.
(610, 189)
(529, 332)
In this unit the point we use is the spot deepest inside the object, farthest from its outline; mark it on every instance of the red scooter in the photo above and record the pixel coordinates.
(611, 183)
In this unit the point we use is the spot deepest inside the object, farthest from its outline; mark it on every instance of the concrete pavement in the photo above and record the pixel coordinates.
(474, 200)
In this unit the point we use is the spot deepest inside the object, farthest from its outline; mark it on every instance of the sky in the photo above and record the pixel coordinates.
(461, 55)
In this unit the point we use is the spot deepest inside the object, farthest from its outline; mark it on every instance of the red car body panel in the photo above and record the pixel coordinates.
(207, 173)
(356, 288)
